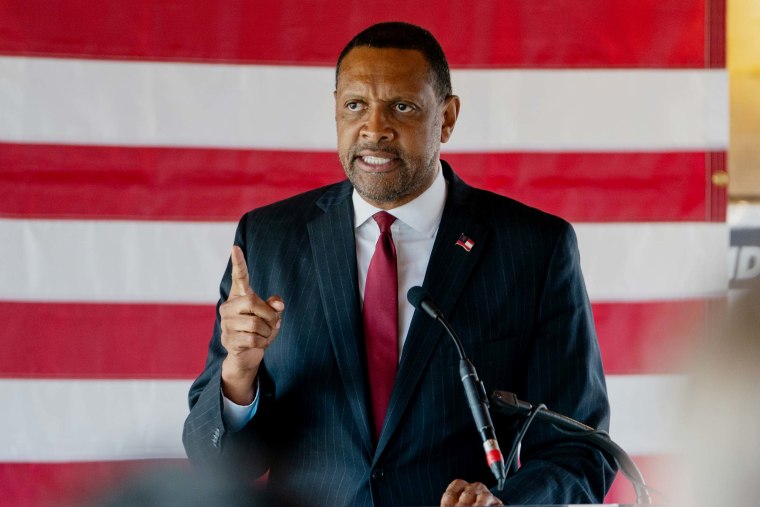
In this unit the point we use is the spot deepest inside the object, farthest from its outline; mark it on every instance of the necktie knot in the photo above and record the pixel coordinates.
(384, 221)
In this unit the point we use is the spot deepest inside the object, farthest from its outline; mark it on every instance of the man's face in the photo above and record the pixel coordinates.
(390, 124)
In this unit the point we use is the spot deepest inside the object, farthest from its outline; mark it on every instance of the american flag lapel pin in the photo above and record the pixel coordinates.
(465, 242)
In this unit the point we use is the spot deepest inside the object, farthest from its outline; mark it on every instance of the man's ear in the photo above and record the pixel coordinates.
(450, 115)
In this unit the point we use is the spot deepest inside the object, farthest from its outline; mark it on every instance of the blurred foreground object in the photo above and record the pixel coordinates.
(722, 432)
(184, 487)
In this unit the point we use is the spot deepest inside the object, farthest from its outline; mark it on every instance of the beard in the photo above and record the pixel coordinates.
(411, 176)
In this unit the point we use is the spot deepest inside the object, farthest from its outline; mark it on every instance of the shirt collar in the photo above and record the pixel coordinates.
(422, 214)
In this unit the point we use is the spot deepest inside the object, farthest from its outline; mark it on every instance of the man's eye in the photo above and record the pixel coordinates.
(402, 108)
(353, 106)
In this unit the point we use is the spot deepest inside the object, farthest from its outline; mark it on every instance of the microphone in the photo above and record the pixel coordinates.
(473, 387)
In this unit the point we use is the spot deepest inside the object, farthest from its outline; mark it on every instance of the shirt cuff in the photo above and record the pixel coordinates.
(236, 416)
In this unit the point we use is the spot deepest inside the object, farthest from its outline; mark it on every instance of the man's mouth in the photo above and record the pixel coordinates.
(376, 161)
(371, 160)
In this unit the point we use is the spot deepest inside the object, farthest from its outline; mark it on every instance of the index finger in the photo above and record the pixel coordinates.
(240, 283)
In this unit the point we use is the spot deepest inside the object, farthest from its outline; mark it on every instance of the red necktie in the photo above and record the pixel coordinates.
(381, 319)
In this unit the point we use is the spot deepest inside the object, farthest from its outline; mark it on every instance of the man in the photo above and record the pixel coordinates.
(333, 382)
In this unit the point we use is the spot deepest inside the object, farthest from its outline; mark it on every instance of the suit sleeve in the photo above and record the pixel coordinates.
(565, 373)
(205, 437)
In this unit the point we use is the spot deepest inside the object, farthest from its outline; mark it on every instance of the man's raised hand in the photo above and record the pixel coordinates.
(249, 324)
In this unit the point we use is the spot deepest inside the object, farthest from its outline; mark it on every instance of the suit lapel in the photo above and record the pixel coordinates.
(333, 245)
(448, 270)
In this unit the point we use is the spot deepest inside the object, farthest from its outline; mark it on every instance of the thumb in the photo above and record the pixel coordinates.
(240, 283)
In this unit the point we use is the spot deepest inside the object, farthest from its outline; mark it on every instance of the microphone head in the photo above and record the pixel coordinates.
(416, 295)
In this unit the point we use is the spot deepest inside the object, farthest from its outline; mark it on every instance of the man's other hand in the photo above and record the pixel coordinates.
(249, 325)
(462, 492)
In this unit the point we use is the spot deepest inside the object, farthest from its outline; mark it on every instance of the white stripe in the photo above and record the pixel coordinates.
(654, 261)
(183, 262)
(591, 110)
(743, 215)
(646, 412)
(82, 420)
(120, 261)
(68, 101)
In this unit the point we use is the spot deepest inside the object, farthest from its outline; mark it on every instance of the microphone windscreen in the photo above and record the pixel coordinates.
(416, 295)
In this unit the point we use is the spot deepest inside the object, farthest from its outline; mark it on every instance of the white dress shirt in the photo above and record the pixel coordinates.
(413, 235)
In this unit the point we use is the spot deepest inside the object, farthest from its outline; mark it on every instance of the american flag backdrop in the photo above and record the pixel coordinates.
(134, 134)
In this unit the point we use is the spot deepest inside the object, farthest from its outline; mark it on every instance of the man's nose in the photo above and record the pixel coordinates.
(377, 127)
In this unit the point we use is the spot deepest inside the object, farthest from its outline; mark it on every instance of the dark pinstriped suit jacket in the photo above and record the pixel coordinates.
(519, 303)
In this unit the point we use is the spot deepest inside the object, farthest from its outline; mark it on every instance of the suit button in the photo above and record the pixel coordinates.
(378, 474)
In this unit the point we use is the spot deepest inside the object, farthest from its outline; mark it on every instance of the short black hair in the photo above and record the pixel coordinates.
(400, 35)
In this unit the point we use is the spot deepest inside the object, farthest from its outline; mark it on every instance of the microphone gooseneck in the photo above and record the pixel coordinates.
(508, 404)
(473, 386)
(420, 299)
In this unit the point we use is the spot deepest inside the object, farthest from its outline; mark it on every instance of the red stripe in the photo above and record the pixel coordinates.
(98, 340)
(716, 28)
(98, 182)
(648, 337)
(593, 33)
(597, 187)
(83, 340)
(45, 484)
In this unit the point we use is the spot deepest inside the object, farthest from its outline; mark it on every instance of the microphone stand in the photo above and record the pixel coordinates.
(506, 403)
